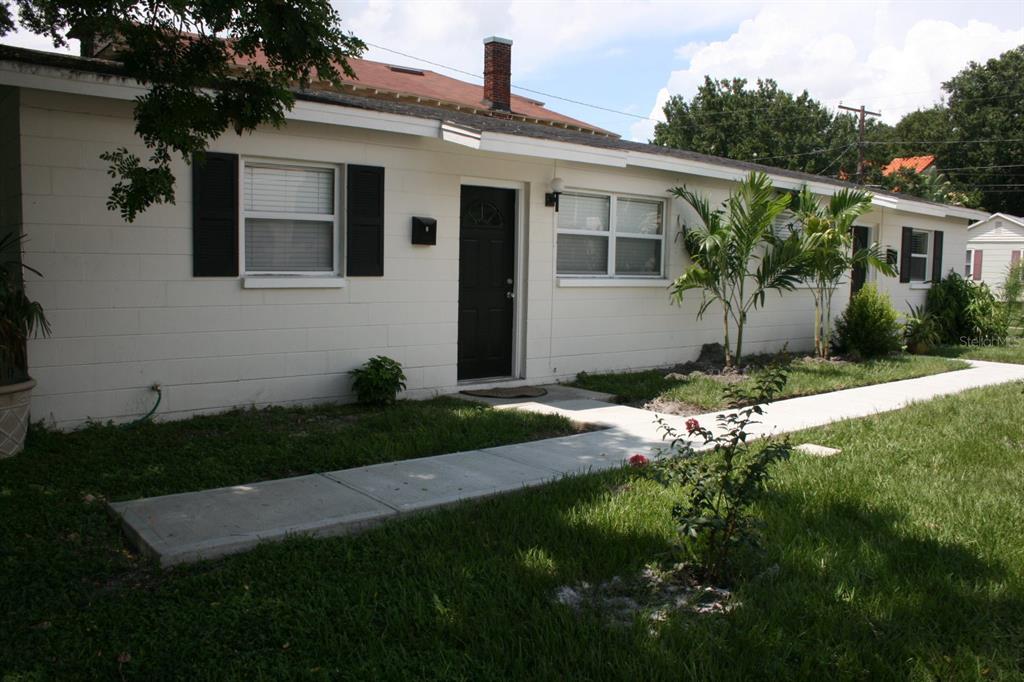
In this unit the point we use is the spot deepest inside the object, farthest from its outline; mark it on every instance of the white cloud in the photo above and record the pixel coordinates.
(872, 54)
(544, 33)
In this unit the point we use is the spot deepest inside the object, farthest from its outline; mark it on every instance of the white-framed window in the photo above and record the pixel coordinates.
(920, 255)
(969, 264)
(610, 235)
(289, 218)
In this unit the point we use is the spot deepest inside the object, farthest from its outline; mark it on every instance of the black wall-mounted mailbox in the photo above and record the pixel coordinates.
(424, 231)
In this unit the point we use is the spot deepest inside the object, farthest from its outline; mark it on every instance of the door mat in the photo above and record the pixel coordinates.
(522, 392)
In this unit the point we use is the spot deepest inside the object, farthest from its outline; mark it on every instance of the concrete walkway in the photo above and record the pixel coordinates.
(212, 523)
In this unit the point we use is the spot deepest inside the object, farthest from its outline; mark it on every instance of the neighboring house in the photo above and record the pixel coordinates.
(473, 235)
(993, 245)
(918, 164)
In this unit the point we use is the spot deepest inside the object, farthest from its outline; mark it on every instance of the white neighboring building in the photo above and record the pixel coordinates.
(993, 245)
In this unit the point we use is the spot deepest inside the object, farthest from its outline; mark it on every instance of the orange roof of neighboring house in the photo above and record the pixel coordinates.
(434, 89)
(918, 164)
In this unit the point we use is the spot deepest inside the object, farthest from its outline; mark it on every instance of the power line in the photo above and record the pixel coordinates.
(1004, 165)
(696, 117)
(944, 141)
(517, 87)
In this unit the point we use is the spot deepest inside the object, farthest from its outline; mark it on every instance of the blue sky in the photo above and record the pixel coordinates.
(630, 56)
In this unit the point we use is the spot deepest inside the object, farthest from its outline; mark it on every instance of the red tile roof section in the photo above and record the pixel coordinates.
(918, 164)
(433, 88)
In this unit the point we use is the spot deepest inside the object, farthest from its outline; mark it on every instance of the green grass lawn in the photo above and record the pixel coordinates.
(901, 558)
(807, 377)
(1013, 352)
(243, 446)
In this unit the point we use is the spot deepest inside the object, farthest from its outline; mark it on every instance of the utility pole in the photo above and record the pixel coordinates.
(860, 137)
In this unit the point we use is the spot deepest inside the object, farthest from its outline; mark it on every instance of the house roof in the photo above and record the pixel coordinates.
(998, 216)
(473, 121)
(434, 89)
(918, 164)
(376, 79)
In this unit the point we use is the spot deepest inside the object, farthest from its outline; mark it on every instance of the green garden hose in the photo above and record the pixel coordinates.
(145, 418)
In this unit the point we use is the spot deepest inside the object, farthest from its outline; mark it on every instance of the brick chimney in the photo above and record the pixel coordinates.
(498, 73)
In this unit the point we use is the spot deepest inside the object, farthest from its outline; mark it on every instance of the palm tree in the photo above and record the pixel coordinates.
(736, 256)
(826, 237)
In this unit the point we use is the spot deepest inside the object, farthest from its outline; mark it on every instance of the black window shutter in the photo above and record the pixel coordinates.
(215, 215)
(937, 257)
(905, 255)
(364, 224)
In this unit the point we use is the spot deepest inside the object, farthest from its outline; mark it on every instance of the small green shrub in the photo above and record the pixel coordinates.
(966, 311)
(724, 479)
(378, 381)
(869, 327)
(922, 332)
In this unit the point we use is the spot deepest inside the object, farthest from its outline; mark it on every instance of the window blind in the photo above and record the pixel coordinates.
(638, 216)
(583, 212)
(278, 189)
(276, 245)
(277, 238)
(582, 255)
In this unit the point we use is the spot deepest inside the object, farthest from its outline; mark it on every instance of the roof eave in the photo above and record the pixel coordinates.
(101, 78)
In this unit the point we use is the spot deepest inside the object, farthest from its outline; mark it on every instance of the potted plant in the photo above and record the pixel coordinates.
(20, 318)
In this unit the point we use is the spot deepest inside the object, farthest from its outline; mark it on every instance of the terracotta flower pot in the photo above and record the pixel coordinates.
(14, 403)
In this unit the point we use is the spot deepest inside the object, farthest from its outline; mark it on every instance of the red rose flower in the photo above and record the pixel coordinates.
(637, 460)
(692, 425)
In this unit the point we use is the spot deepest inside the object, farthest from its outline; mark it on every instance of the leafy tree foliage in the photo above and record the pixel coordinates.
(764, 124)
(986, 102)
(210, 67)
(932, 186)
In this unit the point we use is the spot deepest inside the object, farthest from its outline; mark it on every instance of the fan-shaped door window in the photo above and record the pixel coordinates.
(482, 213)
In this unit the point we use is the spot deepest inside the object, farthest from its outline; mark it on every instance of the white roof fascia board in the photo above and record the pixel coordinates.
(333, 114)
(456, 134)
(36, 77)
(502, 143)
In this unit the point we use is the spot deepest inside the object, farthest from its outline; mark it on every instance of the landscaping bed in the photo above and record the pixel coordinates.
(696, 387)
(899, 558)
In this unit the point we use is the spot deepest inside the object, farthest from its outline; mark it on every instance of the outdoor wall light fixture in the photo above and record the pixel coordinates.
(551, 198)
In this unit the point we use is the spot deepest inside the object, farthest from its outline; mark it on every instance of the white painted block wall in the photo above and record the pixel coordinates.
(127, 313)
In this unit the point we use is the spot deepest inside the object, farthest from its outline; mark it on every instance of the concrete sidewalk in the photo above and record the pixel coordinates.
(212, 523)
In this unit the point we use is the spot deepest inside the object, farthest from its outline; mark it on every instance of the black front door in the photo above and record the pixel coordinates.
(860, 273)
(486, 268)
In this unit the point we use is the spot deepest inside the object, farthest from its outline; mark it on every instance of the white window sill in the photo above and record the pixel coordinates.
(573, 282)
(292, 282)
(920, 285)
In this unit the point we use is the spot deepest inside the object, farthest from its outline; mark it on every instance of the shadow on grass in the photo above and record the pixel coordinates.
(862, 592)
(467, 593)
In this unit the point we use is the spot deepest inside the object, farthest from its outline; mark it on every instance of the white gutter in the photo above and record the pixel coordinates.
(39, 77)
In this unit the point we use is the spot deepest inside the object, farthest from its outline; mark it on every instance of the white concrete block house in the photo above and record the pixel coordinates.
(291, 257)
(993, 245)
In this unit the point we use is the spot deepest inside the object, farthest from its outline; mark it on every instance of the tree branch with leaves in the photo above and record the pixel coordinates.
(208, 68)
